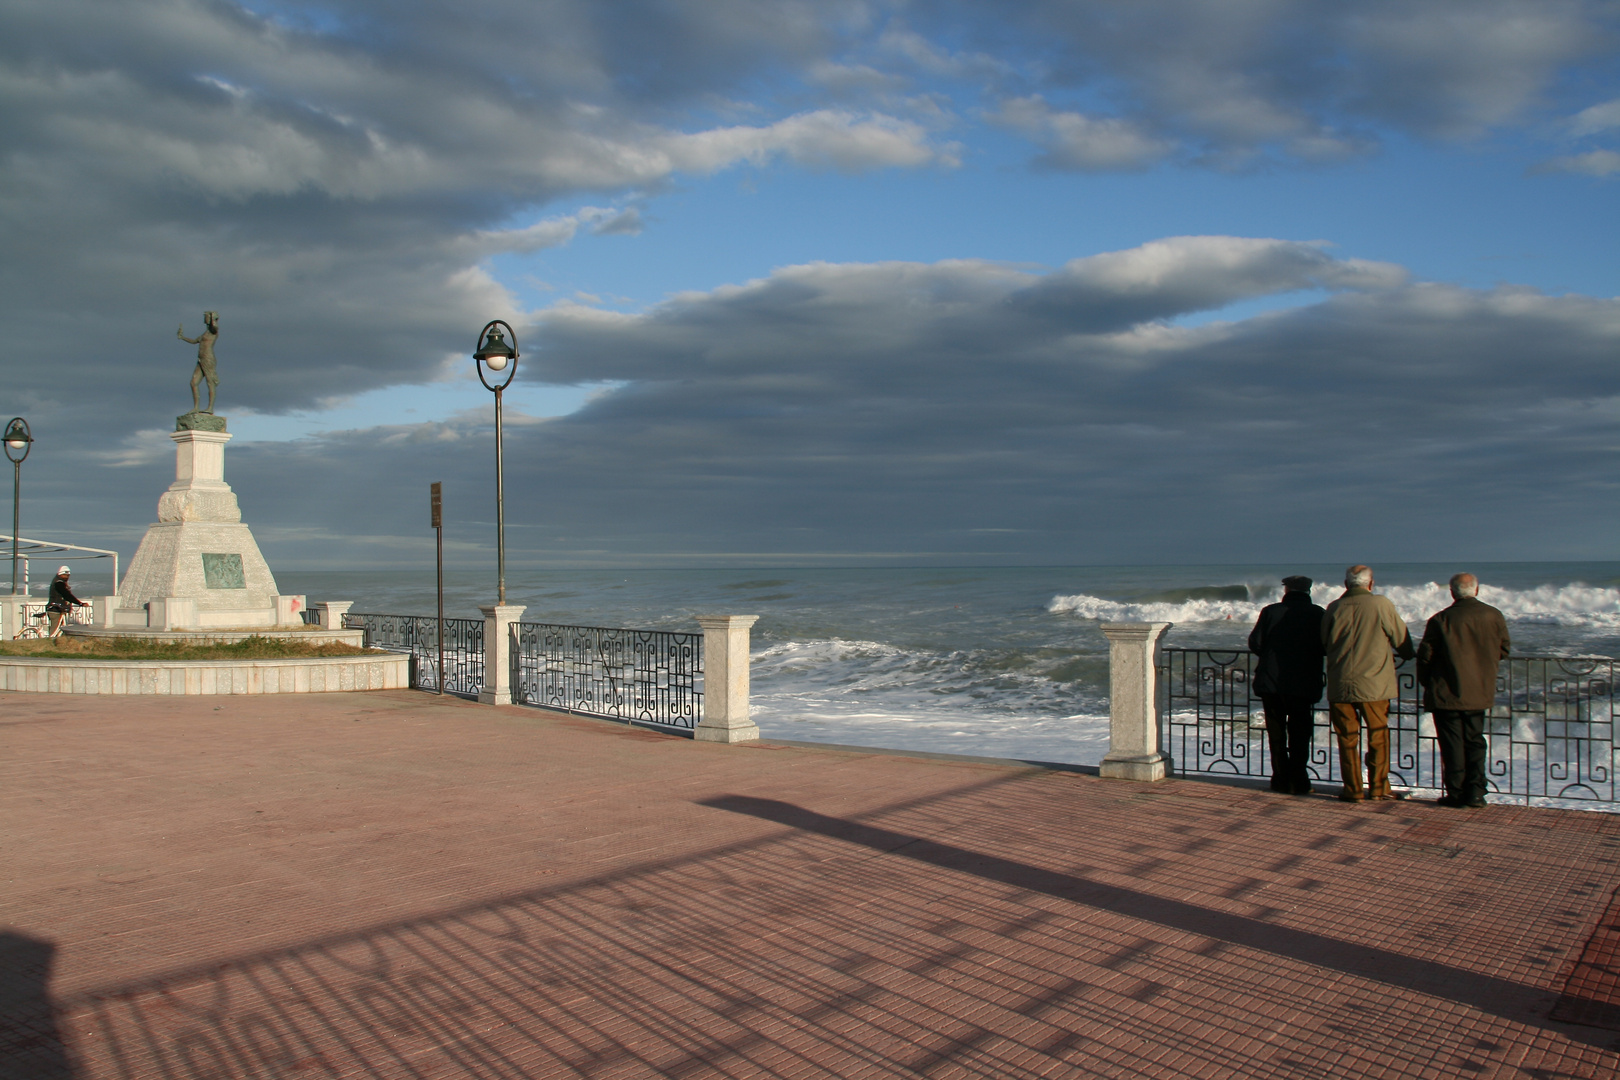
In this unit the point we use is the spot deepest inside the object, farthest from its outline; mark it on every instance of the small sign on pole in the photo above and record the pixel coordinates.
(438, 492)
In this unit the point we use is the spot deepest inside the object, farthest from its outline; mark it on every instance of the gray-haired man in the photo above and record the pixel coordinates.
(1362, 633)
(1456, 666)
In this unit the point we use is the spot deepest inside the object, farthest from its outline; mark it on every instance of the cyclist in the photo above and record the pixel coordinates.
(61, 599)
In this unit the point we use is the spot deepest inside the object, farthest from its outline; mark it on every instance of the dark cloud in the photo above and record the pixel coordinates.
(335, 177)
(845, 411)
(331, 177)
(1228, 82)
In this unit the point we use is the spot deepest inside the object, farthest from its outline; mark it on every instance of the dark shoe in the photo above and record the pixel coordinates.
(1449, 800)
(1303, 789)
(1475, 804)
(1278, 784)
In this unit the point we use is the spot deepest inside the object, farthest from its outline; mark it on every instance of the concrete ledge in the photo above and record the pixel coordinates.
(302, 675)
(224, 635)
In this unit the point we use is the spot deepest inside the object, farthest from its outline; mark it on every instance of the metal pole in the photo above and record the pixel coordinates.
(500, 508)
(16, 515)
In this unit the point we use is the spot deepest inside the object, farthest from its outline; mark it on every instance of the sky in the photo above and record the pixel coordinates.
(853, 282)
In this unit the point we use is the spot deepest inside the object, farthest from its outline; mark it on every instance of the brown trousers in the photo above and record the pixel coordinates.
(1347, 718)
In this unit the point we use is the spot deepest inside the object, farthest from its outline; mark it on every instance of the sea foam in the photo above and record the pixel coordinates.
(1574, 605)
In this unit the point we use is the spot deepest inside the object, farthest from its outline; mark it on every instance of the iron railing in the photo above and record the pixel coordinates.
(1551, 734)
(419, 636)
(639, 676)
(77, 616)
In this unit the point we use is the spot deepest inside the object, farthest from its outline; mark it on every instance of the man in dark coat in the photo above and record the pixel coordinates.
(1288, 677)
(1456, 666)
(61, 600)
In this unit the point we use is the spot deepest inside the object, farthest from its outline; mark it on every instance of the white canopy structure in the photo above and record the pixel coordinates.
(27, 548)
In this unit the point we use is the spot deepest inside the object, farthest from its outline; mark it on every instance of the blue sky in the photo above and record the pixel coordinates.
(856, 281)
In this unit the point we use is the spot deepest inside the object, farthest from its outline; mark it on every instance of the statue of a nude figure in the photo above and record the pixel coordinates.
(205, 358)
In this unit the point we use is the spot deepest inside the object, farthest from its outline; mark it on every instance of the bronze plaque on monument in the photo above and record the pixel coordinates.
(223, 571)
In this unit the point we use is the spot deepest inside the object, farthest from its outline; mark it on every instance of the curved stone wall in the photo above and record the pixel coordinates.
(305, 675)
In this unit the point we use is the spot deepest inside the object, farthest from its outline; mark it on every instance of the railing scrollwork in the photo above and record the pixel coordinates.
(1550, 735)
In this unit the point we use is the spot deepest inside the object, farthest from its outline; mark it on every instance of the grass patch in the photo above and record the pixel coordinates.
(136, 648)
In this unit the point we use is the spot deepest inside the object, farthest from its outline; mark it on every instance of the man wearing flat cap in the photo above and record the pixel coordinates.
(1287, 638)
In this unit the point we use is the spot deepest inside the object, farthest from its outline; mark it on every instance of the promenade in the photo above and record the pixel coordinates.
(397, 885)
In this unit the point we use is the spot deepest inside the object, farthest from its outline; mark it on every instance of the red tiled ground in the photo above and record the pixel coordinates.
(397, 885)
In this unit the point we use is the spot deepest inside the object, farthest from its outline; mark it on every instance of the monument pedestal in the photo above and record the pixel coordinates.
(198, 566)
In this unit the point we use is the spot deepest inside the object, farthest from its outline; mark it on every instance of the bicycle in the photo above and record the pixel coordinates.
(39, 631)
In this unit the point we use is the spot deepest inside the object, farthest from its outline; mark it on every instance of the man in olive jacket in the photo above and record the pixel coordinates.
(1362, 633)
(1456, 665)
(1287, 638)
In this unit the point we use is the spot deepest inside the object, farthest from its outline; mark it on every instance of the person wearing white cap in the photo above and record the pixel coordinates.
(61, 599)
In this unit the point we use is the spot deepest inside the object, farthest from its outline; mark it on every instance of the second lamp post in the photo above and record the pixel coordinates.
(18, 440)
(495, 354)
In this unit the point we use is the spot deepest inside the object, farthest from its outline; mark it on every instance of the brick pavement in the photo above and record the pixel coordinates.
(397, 885)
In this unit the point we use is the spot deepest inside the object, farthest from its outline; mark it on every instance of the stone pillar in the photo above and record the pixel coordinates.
(498, 620)
(102, 609)
(11, 615)
(171, 613)
(332, 612)
(289, 610)
(725, 680)
(1133, 730)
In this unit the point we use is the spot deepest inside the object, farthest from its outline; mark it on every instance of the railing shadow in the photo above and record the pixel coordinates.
(754, 958)
(1500, 997)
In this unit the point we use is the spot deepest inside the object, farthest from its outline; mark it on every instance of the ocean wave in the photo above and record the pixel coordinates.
(849, 676)
(1574, 605)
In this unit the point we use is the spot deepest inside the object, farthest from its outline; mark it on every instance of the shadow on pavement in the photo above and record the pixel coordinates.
(30, 1044)
(1509, 1000)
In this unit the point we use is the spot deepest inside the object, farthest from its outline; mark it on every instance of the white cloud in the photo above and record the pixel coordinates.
(1072, 140)
(1591, 163)
(825, 138)
(1590, 121)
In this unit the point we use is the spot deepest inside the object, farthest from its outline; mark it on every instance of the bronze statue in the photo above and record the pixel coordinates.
(205, 358)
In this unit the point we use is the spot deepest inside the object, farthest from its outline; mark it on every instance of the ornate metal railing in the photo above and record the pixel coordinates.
(81, 616)
(638, 676)
(419, 636)
(1551, 734)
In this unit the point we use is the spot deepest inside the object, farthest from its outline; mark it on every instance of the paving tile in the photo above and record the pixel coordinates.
(397, 885)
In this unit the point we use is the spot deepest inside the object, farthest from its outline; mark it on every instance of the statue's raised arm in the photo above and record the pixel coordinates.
(205, 358)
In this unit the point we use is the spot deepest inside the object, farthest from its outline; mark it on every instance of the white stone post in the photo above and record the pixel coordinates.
(11, 615)
(1133, 721)
(725, 680)
(102, 609)
(332, 612)
(498, 620)
(289, 610)
(171, 613)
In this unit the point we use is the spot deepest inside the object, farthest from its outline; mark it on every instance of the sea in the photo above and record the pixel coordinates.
(999, 662)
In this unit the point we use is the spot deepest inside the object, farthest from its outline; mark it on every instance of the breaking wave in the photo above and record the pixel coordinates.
(1574, 605)
(1048, 705)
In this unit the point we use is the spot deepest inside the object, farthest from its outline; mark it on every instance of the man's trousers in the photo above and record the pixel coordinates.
(1347, 718)
(1289, 726)
(1462, 752)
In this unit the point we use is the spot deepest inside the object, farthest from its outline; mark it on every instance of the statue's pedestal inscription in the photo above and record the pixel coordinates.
(199, 566)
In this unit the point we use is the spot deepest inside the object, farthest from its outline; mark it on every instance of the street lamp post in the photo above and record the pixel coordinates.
(495, 354)
(19, 440)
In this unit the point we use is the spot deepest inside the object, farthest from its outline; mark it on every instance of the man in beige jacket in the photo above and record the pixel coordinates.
(1361, 634)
